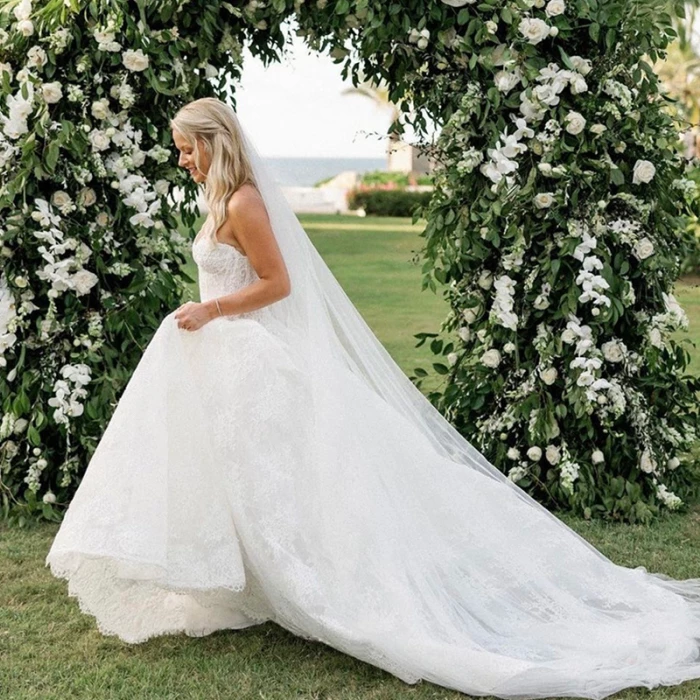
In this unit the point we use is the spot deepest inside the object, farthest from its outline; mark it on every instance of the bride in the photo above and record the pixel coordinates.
(269, 461)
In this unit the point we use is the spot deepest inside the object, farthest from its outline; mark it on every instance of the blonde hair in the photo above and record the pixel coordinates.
(216, 124)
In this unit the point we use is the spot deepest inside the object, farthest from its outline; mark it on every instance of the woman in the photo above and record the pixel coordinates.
(269, 461)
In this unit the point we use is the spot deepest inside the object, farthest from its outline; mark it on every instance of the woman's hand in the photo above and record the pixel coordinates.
(191, 316)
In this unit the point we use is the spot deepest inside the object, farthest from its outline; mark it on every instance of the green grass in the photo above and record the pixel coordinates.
(49, 650)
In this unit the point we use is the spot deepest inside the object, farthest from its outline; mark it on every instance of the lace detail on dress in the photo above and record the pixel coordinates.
(223, 270)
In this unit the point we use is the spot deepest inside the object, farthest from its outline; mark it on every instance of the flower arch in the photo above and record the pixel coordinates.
(555, 227)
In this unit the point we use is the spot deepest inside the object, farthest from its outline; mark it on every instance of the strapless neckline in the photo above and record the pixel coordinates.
(199, 237)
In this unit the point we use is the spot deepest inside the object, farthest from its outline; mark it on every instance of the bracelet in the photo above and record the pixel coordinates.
(218, 307)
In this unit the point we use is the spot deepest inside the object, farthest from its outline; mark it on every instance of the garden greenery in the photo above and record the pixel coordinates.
(554, 225)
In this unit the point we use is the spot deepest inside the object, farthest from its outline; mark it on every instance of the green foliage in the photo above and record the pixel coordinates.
(509, 226)
(387, 202)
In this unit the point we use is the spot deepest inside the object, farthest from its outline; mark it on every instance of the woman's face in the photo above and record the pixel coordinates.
(186, 159)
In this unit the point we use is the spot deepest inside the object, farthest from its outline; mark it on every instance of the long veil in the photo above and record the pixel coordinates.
(467, 581)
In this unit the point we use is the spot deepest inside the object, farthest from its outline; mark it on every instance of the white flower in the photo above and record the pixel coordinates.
(491, 27)
(575, 123)
(548, 375)
(83, 281)
(673, 463)
(598, 128)
(87, 196)
(534, 30)
(99, 140)
(643, 172)
(491, 358)
(465, 333)
(544, 200)
(469, 315)
(507, 80)
(485, 280)
(643, 248)
(597, 457)
(552, 454)
(646, 462)
(22, 10)
(36, 57)
(535, 454)
(655, 338)
(513, 453)
(578, 85)
(25, 27)
(61, 199)
(541, 302)
(509, 348)
(613, 351)
(452, 358)
(49, 497)
(135, 60)
(51, 92)
(458, 3)
(555, 7)
(582, 65)
(100, 108)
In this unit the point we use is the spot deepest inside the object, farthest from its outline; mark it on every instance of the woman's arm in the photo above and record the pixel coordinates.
(247, 223)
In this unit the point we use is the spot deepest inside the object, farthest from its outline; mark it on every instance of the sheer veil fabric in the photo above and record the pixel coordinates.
(296, 474)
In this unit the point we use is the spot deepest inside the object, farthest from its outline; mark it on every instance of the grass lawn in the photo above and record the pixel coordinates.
(49, 650)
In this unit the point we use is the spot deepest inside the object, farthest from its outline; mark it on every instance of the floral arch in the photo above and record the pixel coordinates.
(555, 230)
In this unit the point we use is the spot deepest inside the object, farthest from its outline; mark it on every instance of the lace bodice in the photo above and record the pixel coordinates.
(222, 270)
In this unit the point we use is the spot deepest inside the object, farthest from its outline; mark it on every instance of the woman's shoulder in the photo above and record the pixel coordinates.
(245, 195)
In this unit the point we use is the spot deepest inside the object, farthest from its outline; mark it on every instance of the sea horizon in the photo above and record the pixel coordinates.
(291, 171)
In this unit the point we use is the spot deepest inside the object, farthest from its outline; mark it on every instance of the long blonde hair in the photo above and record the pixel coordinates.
(216, 124)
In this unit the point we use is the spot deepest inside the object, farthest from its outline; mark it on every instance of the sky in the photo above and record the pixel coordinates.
(296, 108)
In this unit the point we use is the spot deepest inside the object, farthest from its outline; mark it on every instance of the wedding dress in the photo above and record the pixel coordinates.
(277, 465)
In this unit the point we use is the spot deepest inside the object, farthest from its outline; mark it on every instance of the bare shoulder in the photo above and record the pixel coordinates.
(244, 202)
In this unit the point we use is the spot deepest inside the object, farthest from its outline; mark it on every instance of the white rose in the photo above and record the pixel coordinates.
(485, 280)
(513, 453)
(598, 129)
(83, 281)
(568, 336)
(541, 302)
(465, 333)
(491, 27)
(135, 60)
(552, 454)
(544, 200)
(100, 108)
(506, 80)
(549, 375)
(509, 348)
(20, 426)
(452, 358)
(535, 454)
(646, 462)
(555, 7)
(553, 31)
(60, 199)
(87, 196)
(575, 123)
(21, 282)
(469, 315)
(25, 27)
(578, 85)
(51, 92)
(655, 338)
(36, 57)
(161, 187)
(673, 463)
(643, 248)
(597, 457)
(49, 497)
(612, 351)
(582, 65)
(102, 219)
(643, 172)
(99, 140)
(534, 30)
(491, 358)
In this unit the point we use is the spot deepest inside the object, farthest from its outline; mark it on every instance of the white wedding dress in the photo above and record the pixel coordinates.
(231, 488)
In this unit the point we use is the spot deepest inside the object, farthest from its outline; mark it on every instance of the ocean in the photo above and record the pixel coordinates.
(306, 172)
